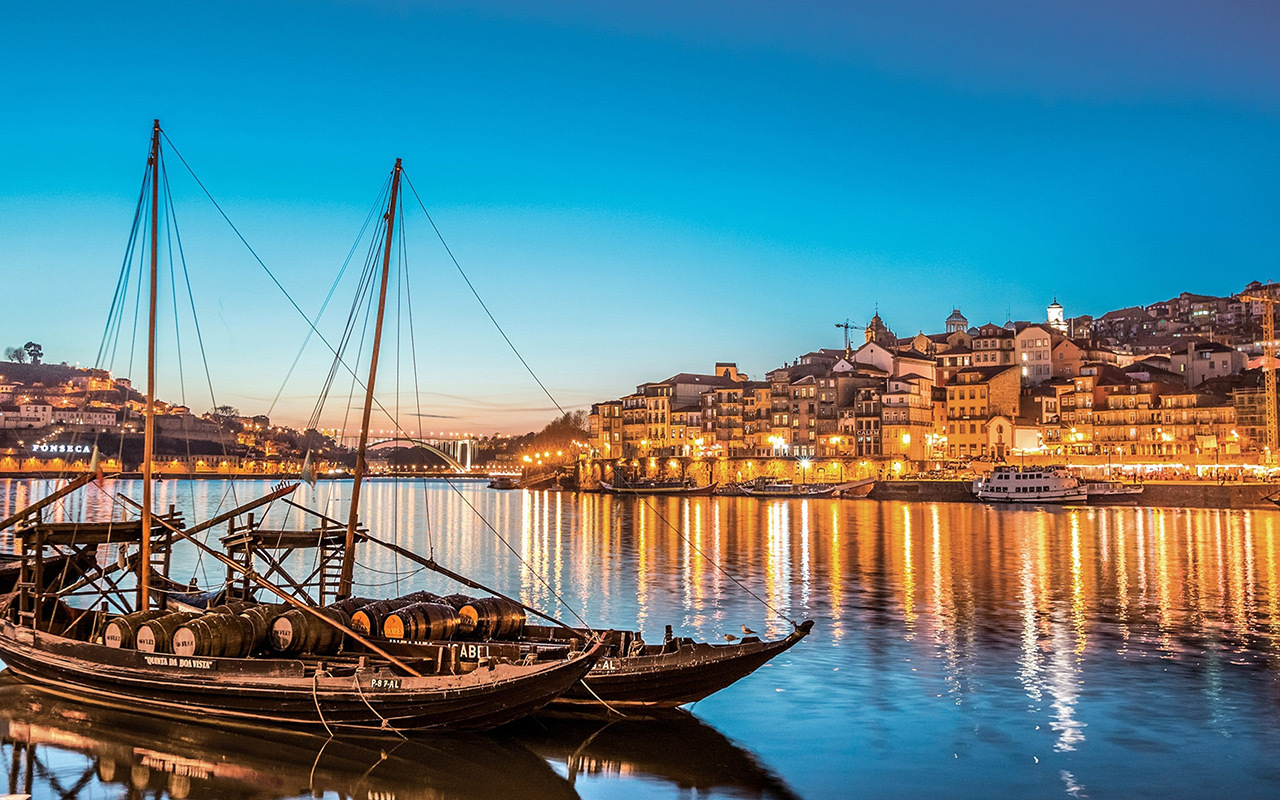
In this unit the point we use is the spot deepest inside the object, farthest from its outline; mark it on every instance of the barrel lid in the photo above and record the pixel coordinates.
(393, 627)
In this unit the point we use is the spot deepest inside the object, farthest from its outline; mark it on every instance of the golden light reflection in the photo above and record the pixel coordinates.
(1077, 586)
(836, 573)
(908, 575)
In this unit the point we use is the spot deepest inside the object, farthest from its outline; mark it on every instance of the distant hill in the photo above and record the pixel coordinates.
(48, 374)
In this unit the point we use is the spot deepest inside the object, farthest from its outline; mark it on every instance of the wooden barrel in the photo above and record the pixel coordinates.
(260, 619)
(420, 597)
(370, 618)
(421, 622)
(156, 635)
(217, 635)
(122, 631)
(491, 618)
(232, 608)
(299, 631)
(457, 600)
(352, 604)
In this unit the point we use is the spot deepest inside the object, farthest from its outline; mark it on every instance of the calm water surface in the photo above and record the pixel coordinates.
(959, 651)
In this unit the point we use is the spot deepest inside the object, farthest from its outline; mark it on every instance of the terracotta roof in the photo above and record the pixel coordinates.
(1125, 313)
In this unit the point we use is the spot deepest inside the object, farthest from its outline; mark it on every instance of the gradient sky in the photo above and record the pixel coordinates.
(640, 190)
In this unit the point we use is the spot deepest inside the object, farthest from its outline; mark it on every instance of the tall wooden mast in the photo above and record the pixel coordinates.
(149, 437)
(348, 553)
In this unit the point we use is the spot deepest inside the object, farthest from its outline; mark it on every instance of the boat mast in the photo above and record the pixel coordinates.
(348, 553)
(149, 436)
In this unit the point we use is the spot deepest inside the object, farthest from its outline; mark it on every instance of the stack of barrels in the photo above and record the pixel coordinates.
(236, 630)
(233, 630)
(422, 616)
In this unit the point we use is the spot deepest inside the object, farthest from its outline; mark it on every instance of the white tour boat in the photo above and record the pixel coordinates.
(1029, 485)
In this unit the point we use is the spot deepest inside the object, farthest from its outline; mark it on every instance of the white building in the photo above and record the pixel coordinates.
(1056, 317)
(26, 415)
(97, 417)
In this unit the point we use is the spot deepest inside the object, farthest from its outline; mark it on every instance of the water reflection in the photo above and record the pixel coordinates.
(676, 750)
(62, 747)
(1086, 637)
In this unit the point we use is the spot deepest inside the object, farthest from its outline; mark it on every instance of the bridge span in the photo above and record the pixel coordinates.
(457, 453)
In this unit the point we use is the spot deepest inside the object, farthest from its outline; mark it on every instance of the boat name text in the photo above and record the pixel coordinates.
(176, 661)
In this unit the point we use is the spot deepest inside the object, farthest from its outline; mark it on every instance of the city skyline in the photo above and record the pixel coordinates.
(640, 193)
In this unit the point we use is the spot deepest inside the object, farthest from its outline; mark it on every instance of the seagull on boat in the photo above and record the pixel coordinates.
(730, 638)
(747, 630)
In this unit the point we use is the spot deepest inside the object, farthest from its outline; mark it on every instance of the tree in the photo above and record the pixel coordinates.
(34, 351)
(562, 432)
(16, 354)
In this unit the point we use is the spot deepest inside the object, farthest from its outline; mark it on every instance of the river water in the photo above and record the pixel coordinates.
(959, 650)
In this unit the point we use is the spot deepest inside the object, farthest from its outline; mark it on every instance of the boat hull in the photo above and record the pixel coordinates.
(192, 758)
(288, 692)
(678, 491)
(1046, 499)
(687, 674)
(789, 493)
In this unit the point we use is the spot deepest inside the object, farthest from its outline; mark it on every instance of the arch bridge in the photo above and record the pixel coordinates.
(455, 452)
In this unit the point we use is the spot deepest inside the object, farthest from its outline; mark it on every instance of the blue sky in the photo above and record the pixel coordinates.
(637, 191)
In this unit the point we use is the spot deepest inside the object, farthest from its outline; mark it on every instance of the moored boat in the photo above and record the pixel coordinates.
(855, 489)
(686, 488)
(1009, 484)
(504, 482)
(630, 671)
(1103, 492)
(314, 669)
(786, 489)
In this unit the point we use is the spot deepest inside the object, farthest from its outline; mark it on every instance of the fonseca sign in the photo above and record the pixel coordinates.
(61, 448)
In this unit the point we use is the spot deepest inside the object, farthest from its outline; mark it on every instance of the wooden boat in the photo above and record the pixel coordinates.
(675, 672)
(855, 489)
(325, 674)
(630, 672)
(685, 488)
(786, 489)
(147, 755)
(55, 569)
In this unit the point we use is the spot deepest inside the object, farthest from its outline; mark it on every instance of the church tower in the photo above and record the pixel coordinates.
(1057, 317)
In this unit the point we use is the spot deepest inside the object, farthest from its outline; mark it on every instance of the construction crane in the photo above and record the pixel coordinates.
(1269, 299)
(848, 326)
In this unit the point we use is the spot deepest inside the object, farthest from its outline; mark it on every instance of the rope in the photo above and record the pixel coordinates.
(386, 725)
(587, 686)
(311, 779)
(315, 685)
(467, 280)
(713, 563)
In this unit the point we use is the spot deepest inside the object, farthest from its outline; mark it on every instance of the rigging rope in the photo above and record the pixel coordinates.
(560, 408)
(480, 300)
